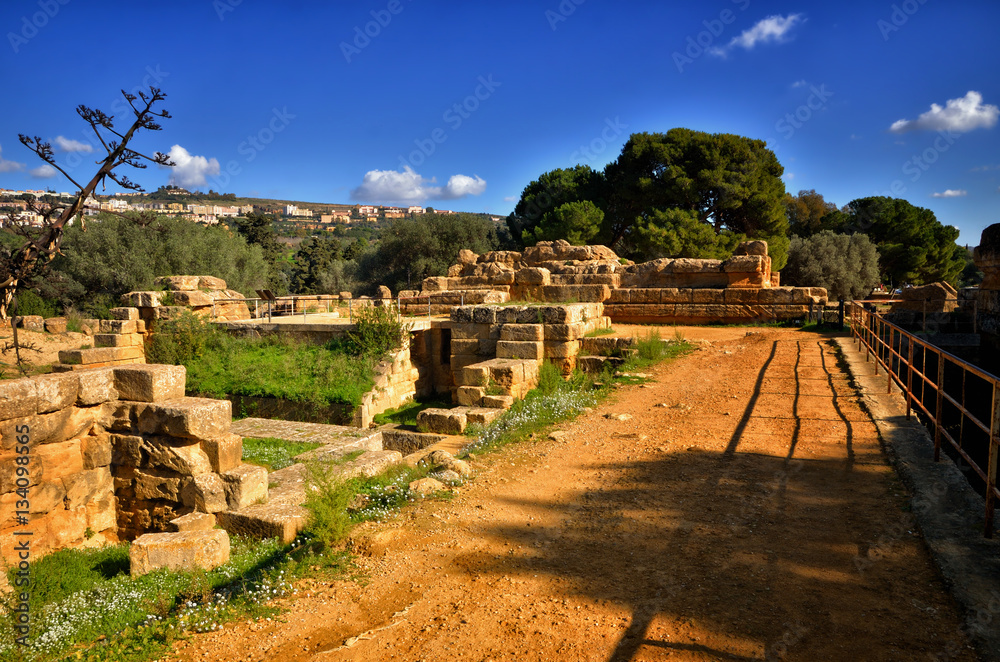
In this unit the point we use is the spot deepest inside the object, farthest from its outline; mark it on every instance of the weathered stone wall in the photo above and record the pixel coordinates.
(117, 341)
(396, 381)
(203, 295)
(741, 288)
(987, 257)
(113, 453)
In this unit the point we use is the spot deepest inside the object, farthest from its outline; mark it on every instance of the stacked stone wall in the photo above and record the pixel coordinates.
(206, 296)
(103, 454)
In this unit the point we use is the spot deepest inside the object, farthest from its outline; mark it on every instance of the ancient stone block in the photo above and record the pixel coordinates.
(118, 326)
(497, 401)
(192, 299)
(707, 296)
(483, 415)
(166, 454)
(211, 283)
(560, 350)
(151, 486)
(18, 397)
(741, 296)
(562, 332)
(86, 486)
(125, 313)
(754, 247)
(442, 421)
(30, 322)
(196, 418)
(468, 347)
(470, 396)
(55, 325)
(245, 485)
(179, 283)
(96, 450)
(225, 453)
(513, 315)
(188, 550)
(484, 315)
(206, 493)
(97, 385)
(513, 349)
(44, 498)
(67, 526)
(522, 332)
(101, 513)
(150, 382)
(532, 276)
(59, 460)
(193, 522)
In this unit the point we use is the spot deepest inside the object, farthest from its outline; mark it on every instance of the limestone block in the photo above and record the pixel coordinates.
(18, 397)
(150, 486)
(169, 454)
(707, 296)
(211, 283)
(435, 284)
(205, 493)
(470, 396)
(755, 247)
(483, 415)
(125, 313)
(476, 374)
(467, 347)
(193, 522)
(245, 485)
(442, 421)
(192, 299)
(55, 325)
(86, 486)
(741, 296)
(59, 460)
(522, 332)
(776, 295)
(560, 350)
(497, 401)
(426, 486)
(224, 453)
(462, 314)
(196, 418)
(177, 283)
(102, 513)
(562, 332)
(188, 550)
(511, 314)
(142, 299)
(118, 326)
(30, 322)
(112, 340)
(565, 365)
(150, 382)
(67, 526)
(676, 295)
(97, 385)
(44, 498)
(484, 315)
(96, 450)
(532, 276)
(741, 279)
(513, 349)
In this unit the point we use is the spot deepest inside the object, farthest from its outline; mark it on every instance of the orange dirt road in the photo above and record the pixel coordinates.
(745, 512)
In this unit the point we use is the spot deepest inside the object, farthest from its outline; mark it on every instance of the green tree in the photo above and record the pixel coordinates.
(846, 265)
(410, 250)
(114, 256)
(914, 247)
(808, 213)
(316, 257)
(537, 212)
(258, 229)
(730, 183)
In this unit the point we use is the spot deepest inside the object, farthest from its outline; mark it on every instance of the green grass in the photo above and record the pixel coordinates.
(406, 414)
(596, 333)
(274, 454)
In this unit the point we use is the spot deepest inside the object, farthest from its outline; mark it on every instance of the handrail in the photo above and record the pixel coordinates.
(871, 329)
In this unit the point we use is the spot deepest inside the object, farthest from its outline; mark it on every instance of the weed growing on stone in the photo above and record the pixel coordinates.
(406, 414)
(274, 454)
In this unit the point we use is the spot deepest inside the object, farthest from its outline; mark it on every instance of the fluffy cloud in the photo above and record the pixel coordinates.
(958, 115)
(771, 29)
(191, 170)
(43, 172)
(9, 166)
(950, 193)
(69, 145)
(393, 186)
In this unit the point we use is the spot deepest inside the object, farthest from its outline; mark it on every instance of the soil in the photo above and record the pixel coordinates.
(745, 511)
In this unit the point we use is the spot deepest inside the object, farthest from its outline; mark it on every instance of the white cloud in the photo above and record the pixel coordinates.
(960, 115)
(788, 176)
(191, 170)
(800, 83)
(69, 145)
(985, 168)
(43, 172)
(385, 186)
(9, 166)
(771, 29)
(510, 198)
(951, 193)
(459, 186)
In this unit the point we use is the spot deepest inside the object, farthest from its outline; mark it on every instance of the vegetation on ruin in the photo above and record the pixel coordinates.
(274, 454)
(406, 414)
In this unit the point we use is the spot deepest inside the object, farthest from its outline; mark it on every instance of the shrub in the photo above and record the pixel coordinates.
(30, 303)
(846, 265)
(378, 331)
(181, 339)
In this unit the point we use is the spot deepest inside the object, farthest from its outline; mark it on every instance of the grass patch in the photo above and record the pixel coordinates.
(406, 414)
(597, 333)
(653, 349)
(274, 454)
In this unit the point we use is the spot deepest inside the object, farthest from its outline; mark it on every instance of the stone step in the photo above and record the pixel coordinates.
(406, 442)
(606, 346)
(594, 365)
(283, 515)
(337, 440)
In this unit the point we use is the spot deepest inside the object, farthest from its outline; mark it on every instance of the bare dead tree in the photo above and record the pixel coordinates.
(41, 239)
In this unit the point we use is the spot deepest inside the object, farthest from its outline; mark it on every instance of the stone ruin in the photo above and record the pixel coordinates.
(686, 291)
(987, 258)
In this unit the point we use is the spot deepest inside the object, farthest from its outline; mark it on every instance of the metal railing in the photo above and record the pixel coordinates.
(942, 387)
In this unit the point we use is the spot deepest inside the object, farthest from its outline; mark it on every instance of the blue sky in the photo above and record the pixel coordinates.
(460, 105)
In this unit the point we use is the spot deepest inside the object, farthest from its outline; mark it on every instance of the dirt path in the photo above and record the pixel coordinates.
(744, 512)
